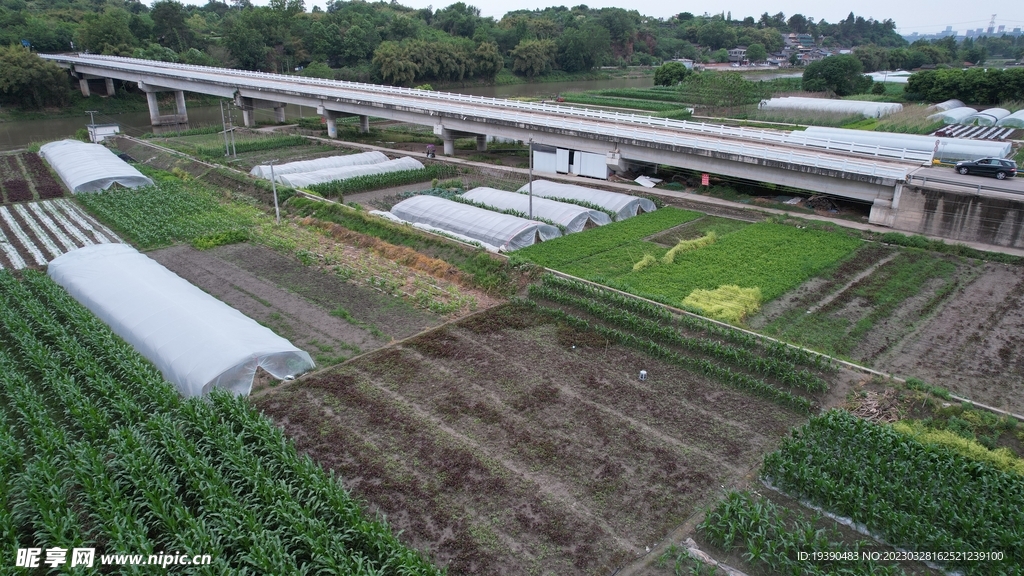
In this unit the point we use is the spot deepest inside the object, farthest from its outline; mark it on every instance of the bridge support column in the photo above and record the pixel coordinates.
(279, 114)
(481, 143)
(449, 146)
(248, 112)
(179, 101)
(110, 86)
(364, 124)
(83, 85)
(332, 123)
(154, 108)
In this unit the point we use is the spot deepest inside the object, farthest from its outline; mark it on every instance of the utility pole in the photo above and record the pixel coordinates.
(92, 119)
(273, 186)
(224, 126)
(531, 177)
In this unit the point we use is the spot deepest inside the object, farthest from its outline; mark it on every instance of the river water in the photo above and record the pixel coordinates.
(21, 133)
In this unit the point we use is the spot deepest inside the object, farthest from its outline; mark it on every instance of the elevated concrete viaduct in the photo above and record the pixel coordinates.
(867, 174)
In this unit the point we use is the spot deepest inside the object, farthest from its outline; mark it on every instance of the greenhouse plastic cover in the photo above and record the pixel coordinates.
(950, 149)
(573, 217)
(987, 117)
(953, 115)
(947, 105)
(303, 179)
(867, 109)
(374, 157)
(502, 230)
(429, 228)
(90, 167)
(196, 341)
(1015, 120)
(624, 205)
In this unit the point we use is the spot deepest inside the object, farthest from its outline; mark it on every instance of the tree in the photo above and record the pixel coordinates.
(106, 33)
(169, 25)
(717, 34)
(841, 75)
(28, 81)
(756, 53)
(488, 60)
(580, 49)
(318, 70)
(670, 74)
(394, 64)
(533, 57)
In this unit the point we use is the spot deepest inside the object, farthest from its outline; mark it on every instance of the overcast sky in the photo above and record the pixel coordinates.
(910, 16)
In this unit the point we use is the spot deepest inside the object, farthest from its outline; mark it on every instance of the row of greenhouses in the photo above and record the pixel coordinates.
(306, 173)
(503, 221)
(1000, 117)
(866, 109)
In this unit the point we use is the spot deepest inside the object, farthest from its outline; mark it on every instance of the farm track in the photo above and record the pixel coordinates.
(34, 233)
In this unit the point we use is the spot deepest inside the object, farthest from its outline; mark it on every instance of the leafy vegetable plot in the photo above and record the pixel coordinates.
(772, 257)
(171, 211)
(97, 450)
(918, 497)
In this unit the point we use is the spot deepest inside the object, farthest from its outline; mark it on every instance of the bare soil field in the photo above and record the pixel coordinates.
(510, 443)
(297, 302)
(954, 323)
(973, 346)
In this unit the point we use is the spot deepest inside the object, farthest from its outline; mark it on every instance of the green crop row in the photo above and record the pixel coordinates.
(254, 145)
(696, 365)
(636, 104)
(771, 537)
(338, 188)
(780, 369)
(655, 312)
(576, 247)
(918, 497)
(170, 211)
(99, 451)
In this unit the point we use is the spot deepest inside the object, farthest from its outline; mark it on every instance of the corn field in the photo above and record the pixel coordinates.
(917, 497)
(770, 536)
(98, 451)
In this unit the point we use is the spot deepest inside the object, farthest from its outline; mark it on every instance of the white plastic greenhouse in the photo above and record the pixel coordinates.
(502, 230)
(950, 149)
(896, 77)
(987, 117)
(947, 105)
(373, 157)
(1015, 120)
(953, 115)
(624, 205)
(866, 109)
(90, 167)
(303, 179)
(196, 341)
(573, 217)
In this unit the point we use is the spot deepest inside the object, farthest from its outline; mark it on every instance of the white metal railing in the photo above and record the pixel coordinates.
(766, 145)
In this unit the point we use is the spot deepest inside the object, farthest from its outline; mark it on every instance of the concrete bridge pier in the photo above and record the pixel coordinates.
(155, 118)
(332, 122)
(83, 85)
(109, 84)
(364, 124)
(448, 137)
(250, 105)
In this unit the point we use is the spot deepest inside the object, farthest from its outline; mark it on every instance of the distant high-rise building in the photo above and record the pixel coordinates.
(1001, 28)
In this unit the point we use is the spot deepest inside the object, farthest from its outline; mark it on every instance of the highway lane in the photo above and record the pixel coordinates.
(949, 177)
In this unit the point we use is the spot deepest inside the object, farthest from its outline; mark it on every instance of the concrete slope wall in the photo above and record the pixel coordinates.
(962, 217)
